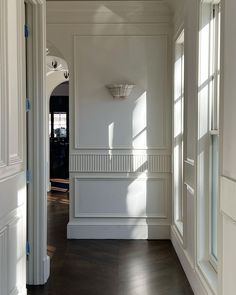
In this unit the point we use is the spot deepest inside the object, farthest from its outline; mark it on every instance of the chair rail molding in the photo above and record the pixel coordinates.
(128, 163)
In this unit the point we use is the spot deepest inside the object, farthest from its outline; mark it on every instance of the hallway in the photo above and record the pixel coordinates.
(107, 267)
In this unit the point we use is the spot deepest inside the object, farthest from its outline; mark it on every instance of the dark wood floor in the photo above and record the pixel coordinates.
(107, 267)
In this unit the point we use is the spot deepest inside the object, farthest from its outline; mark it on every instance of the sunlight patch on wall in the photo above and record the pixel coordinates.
(136, 197)
(111, 134)
(140, 122)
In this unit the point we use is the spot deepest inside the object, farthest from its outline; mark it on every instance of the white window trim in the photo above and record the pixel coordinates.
(206, 263)
(178, 222)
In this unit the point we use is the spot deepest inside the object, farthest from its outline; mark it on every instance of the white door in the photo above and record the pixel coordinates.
(12, 149)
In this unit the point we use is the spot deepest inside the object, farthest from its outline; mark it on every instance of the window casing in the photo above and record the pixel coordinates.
(208, 131)
(214, 131)
(178, 131)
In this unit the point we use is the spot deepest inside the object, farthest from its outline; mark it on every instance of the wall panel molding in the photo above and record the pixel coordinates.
(16, 94)
(120, 163)
(158, 197)
(11, 97)
(164, 138)
(12, 233)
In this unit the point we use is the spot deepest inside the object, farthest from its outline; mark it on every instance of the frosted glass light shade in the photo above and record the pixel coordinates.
(120, 91)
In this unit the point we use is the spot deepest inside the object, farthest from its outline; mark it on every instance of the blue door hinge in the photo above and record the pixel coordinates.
(27, 105)
(26, 31)
(28, 250)
(29, 176)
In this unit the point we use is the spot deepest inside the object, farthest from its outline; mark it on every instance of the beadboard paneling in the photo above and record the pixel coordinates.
(120, 163)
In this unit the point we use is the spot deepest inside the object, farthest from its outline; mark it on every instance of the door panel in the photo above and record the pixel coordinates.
(12, 149)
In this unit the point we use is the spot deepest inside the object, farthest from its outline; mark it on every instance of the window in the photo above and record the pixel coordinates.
(178, 131)
(208, 130)
(214, 129)
(58, 124)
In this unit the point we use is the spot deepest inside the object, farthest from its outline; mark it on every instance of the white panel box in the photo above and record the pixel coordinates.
(121, 198)
(141, 121)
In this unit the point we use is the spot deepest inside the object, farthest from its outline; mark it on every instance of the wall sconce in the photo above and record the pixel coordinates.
(66, 74)
(120, 91)
(54, 64)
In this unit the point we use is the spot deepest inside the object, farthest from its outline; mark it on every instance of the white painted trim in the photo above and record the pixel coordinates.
(38, 262)
(166, 197)
(15, 163)
(178, 19)
(120, 163)
(189, 189)
(111, 228)
(192, 275)
(3, 83)
(208, 276)
(189, 161)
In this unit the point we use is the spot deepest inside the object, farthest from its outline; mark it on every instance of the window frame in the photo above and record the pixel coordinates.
(214, 121)
(179, 196)
(208, 99)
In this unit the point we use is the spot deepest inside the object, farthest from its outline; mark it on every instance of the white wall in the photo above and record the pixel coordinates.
(120, 150)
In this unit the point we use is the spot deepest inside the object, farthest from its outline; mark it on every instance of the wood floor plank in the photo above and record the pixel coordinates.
(107, 267)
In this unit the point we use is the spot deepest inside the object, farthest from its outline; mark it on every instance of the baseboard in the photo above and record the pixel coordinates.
(117, 229)
(46, 269)
(192, 275)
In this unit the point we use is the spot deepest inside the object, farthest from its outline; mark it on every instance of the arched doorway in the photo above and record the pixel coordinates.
(59, 138)
(57, 83)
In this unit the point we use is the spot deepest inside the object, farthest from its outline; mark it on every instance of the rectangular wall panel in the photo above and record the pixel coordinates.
(16, 90)
(16, 255)
(12, 142)
(134, 197)
(142, 120)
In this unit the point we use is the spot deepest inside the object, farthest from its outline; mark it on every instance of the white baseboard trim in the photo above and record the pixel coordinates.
(123, 229)
(192, 275)
(46, 269)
